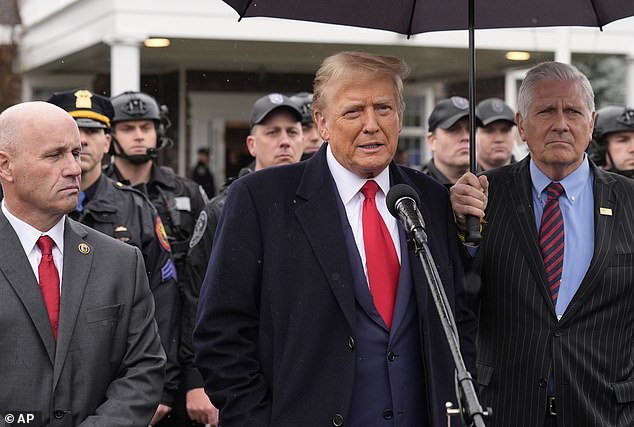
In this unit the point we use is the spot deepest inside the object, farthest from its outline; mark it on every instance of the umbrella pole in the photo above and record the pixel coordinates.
(472, 90)
(472, 233)
(470, 408)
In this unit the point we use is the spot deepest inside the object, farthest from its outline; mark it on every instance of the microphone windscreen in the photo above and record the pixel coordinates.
(396, 193)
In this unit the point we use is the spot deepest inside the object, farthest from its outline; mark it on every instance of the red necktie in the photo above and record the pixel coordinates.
(551, 239)
(380, 255)
(49, 281)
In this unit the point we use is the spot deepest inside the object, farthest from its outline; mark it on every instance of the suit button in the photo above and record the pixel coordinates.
(351, 343)
(391, 356)
(337, 420)
(558, 332)
(543, 383)
(388, 414)
(59, 414)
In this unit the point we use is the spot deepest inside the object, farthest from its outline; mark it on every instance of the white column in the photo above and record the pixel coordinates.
(182, 122)
(218, 155)
(27, 88)
(562, 51)
(428, 107)
(629, 80)
(125, 66)
(512, 81)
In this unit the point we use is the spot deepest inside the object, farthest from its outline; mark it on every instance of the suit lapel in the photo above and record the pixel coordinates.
(16, 268)
(419, 279)
(604, 229)
(519, 191)
(318, 216)
(78, 257)
(404, 293)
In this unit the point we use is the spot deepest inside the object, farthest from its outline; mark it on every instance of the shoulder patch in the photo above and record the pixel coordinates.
(161, 234)
(199, 229)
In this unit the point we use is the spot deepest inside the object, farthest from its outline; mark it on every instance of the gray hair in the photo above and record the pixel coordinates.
(553, 71)
(347, 65)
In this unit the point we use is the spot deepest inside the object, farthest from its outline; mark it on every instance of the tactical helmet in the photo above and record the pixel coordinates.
(304, 101)
(135, 106)
(131, 105)
(612, 119)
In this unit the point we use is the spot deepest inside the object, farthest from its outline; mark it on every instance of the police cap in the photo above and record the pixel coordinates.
(90, 110)
(273, 101)
(493, 109)
(447, 112)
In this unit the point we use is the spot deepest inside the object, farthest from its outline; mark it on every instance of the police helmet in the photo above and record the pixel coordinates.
(612, 119)
(304, 101)
(131, 105)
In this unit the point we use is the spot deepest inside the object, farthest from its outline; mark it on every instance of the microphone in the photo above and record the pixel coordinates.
(402, 202)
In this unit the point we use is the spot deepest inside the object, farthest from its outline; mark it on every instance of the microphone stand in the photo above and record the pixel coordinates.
(470, 408)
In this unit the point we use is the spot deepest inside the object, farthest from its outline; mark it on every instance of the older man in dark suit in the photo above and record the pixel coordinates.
(556, 324)
(307, 316)
(79, 341)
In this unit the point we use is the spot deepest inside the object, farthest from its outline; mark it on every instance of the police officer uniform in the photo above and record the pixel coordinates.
(178, 200)
(126, 214)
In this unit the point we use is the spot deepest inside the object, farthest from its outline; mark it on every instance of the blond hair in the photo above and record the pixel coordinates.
(348, 65)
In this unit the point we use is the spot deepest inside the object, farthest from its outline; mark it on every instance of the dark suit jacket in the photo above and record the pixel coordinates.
(275, 334)
(520, 342)
(107, 368)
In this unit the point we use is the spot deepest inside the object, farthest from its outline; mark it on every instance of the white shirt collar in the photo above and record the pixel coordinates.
(348, 183)
(28, 234)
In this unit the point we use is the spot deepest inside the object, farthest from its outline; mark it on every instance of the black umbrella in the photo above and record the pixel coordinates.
(418, 16)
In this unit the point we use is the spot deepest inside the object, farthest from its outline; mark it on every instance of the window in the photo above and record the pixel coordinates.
(412, 144)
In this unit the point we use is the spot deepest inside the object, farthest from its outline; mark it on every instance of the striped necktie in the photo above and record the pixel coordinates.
(551, 239)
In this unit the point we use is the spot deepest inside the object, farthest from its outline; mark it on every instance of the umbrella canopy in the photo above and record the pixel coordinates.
(418, 16)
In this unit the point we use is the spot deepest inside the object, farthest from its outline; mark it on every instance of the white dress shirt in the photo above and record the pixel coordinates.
(349, 186)
(28, 236)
